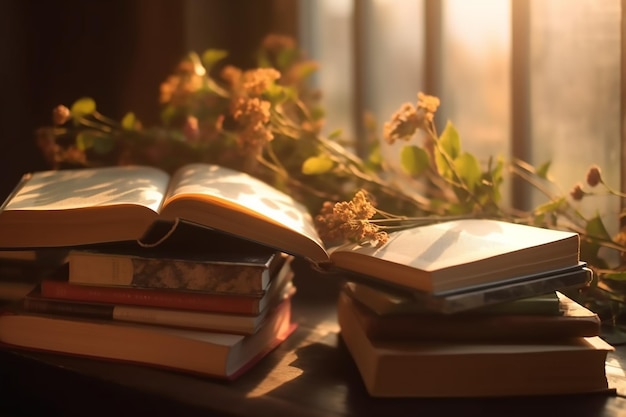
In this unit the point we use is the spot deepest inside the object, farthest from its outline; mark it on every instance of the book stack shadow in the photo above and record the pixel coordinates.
(515, 337)
(212, 308)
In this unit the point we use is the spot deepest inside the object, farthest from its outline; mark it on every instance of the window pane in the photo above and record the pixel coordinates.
(393, 60)
(475, 80)
(575, 49)
(326, 37)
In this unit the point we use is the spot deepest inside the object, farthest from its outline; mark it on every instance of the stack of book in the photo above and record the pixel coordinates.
(457, 335)
(449, 269)
(213, 312)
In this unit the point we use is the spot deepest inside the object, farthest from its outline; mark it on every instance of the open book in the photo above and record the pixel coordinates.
(87, 206)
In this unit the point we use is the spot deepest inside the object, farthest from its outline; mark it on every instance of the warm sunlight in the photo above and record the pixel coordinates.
(287, 369)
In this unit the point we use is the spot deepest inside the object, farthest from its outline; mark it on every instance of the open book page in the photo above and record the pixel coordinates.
(230, 192)
(87, 188)
(82, 206)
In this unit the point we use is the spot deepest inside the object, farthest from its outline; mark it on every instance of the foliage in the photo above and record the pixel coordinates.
(268, 122)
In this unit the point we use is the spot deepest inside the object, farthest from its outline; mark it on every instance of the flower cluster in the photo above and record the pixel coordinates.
(350, 221)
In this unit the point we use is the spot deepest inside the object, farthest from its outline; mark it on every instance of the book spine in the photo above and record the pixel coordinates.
(85, 310)
(154, 298)
(216, 322)
(133, 271)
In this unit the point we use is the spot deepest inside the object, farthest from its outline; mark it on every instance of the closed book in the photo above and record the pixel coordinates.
(215, 302)
(429, 369)
(211, 321)
(390, 301)
(241, 270)
(219, 355)
(574, 320)
(388, 298)
(122, 203)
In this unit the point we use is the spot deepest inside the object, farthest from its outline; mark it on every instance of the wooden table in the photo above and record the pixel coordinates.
(311, 374)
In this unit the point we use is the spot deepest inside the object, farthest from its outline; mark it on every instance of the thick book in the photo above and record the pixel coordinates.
(507, 295)
(574, 320)
(212, 302)
(206, 269)
(210, 321)
(88, 206)
(219, 355)
(421, 369)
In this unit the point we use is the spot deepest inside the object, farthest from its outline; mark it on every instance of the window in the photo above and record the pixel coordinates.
(536, 79)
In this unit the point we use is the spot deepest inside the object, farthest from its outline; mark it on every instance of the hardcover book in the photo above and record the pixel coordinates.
(428, 369)
(213, 302)
(88, 206)
(234, 271)
(574, 320)
(218, 355)
(189, 319)
(386, 299)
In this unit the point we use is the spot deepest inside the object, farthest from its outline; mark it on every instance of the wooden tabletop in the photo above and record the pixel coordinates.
(311, 374)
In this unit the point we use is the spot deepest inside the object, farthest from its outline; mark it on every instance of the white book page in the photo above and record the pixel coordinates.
(85, 188)
(247, 194)
(443, 245)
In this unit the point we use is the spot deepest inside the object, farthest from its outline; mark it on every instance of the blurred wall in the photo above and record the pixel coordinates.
(115, 51)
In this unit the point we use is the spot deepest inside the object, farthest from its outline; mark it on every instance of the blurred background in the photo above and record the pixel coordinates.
(540, 80)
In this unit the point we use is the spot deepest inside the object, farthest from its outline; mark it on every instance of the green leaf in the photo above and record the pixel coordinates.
(83, 107)
(335, 134)
(414, 160)
(100, 145)
(129, 121)
(212, 56)
(468, 168)
(542, 170)
(595, 228)
(549, 207)
(317, 165)
(615, 276)
(450, 141)
(84, 141)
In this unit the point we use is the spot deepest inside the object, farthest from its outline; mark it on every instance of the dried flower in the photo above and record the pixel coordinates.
(276, 43)
(403, 124)
(256, 82)
(253, 115)
(594, 176)
(350, 220)
(577, 192)
(231, 75)
(191, 129)
(60, 115)
(428, 105)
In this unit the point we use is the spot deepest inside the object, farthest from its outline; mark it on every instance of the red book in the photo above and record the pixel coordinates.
(175, 299)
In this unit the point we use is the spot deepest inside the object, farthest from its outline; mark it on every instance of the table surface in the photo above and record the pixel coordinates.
(311, 374)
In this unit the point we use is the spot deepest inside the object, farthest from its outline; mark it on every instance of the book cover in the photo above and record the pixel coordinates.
(574, 321)
(229, 271)
(216, 302)
(420, 369)
(477, 297)
(218, 355)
